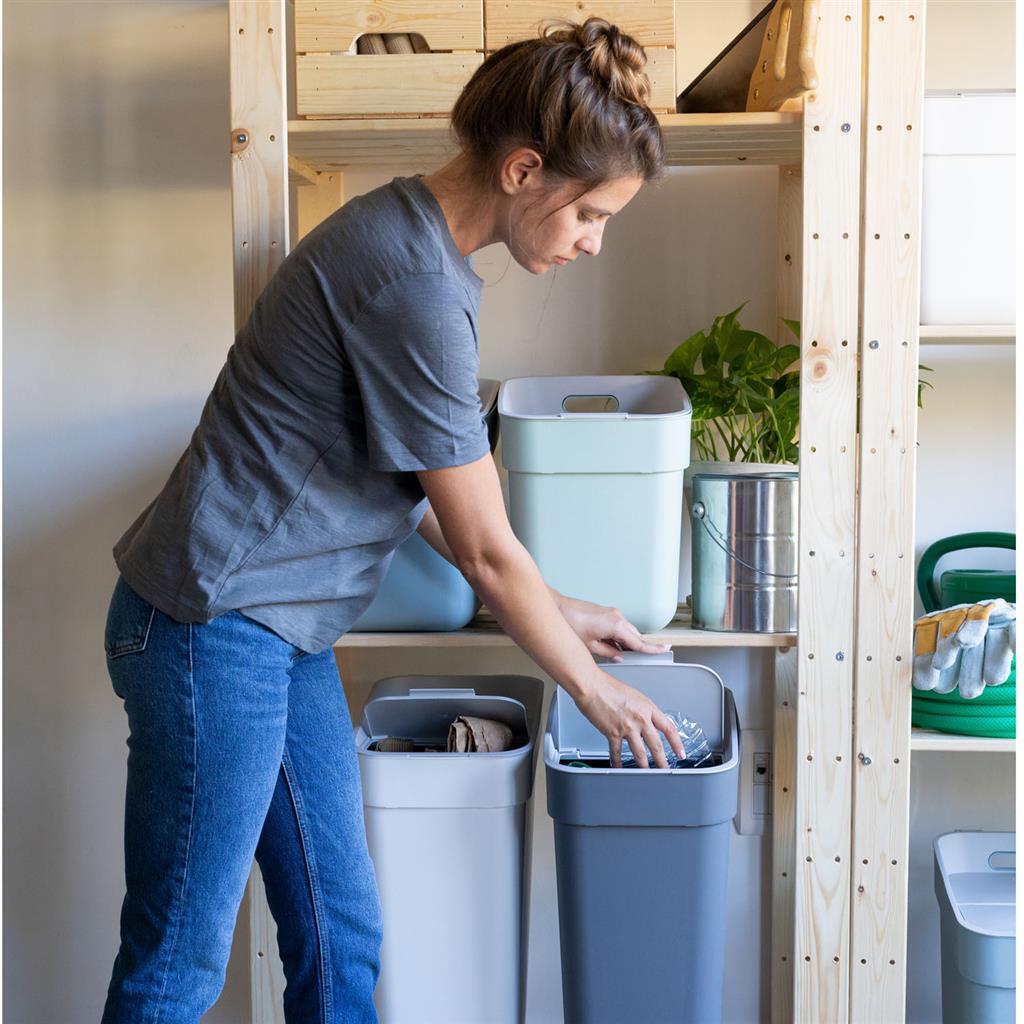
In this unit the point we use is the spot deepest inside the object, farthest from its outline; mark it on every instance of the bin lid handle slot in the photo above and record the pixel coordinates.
(1003, 860)
(590, 404)
(421, 693)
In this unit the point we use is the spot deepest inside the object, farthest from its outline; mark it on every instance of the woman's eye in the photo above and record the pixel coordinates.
(585, 219)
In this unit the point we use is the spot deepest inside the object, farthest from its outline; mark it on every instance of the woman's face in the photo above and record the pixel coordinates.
(551, 227)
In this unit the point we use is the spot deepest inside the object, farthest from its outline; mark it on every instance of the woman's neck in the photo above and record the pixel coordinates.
(472, 214)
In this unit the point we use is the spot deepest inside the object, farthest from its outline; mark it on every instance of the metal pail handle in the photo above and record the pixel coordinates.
(700, 512)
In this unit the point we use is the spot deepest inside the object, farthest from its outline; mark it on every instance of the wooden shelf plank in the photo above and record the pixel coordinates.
(968, 334)
(927, 739)
(483, 631)
(690, 140)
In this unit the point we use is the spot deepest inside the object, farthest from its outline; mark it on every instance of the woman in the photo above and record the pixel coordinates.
(347, 404)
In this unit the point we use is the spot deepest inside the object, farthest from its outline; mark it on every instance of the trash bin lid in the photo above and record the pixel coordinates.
(695, 690)
(426, 714)
(603, 397)
(979, 873)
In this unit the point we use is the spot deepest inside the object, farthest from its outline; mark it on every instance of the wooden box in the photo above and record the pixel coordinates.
(333, 80)
(651, 23)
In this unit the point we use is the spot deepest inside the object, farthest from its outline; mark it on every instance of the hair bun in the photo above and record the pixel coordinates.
(612, 57)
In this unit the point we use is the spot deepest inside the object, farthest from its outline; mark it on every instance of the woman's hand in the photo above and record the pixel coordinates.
(622, 713)
(605, 631)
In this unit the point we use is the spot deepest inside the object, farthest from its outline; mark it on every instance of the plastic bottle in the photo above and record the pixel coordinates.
(696, 751)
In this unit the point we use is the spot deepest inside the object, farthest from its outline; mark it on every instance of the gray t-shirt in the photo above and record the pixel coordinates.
(357, 367)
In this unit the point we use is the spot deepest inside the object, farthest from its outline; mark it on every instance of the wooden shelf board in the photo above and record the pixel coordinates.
(690, 140)
(483, 631)
(968, 334)
(926, 739)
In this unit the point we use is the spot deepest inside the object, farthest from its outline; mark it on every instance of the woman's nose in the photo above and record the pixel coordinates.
(590, 243)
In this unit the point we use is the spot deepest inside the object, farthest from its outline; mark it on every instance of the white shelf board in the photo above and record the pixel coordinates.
(926, 739)
(483, 631)
(968, 334)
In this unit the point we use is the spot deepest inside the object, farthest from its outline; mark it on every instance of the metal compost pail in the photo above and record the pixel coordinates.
(745, 552)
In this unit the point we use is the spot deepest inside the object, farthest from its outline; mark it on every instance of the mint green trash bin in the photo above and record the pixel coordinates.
(595, 484)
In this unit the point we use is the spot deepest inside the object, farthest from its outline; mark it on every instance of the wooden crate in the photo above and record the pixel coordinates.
(651, 23)
(332, 80)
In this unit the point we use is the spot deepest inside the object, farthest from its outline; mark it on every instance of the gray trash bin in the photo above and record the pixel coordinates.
(450, 838)
(642, 857)
(975, 884)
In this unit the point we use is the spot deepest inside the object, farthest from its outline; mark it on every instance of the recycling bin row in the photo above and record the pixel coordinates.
(449, 830)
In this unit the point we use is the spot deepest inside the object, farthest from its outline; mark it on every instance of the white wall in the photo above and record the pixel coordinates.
(118, 314)
(118, 287)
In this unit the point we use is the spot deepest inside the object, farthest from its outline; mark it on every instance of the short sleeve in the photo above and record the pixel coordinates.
(415, 357)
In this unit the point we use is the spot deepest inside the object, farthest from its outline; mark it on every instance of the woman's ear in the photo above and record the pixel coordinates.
(521, 170)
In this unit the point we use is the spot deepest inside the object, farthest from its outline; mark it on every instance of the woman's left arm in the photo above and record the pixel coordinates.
(605, 631)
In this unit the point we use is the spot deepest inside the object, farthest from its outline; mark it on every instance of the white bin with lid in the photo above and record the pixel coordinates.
(968, 199)
(595, 482)
(450, 839)
(975, 884)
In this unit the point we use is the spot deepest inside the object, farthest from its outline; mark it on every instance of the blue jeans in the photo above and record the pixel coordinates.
(240, 745)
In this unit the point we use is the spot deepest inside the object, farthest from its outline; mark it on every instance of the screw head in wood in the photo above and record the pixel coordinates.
(864, 759)
(872, 344)
(846, 126)
(840, 656)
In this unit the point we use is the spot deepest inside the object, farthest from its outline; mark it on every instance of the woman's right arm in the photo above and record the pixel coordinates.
(471, 513)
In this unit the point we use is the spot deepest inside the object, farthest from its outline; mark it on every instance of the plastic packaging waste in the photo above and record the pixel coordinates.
(696, 751)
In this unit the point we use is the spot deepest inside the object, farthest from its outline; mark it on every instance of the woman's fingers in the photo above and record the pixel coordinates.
(628, 637)
(615, 753)
(665, 724)
(607, 649)
(637, 746)
(654, 744)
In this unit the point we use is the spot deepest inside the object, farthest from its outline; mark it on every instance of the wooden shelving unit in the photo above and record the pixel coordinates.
(690, 140)
(926, 739)
(968, 334)
(485, 632)
(848, 268)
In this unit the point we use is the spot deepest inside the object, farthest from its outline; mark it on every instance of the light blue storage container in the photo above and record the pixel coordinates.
(595, 482)
(975, 879)
(421, 591)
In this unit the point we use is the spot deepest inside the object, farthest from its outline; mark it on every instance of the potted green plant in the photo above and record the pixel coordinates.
(745, 393)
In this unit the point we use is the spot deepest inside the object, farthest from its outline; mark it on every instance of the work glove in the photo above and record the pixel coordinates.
(969, 646)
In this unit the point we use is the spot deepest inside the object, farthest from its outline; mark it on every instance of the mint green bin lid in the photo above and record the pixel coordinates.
(627, 424)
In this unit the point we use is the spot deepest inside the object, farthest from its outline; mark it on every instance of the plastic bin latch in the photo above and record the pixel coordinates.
(423, 693)
(638, 658)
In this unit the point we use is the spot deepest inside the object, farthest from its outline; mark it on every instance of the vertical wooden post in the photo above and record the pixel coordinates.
(259, 206)
(828, 404)
(317, 201)
(885, 560)
(259, 146)
(790, 206)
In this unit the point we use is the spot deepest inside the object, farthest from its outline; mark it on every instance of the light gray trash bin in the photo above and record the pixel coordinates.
(642, 857)
(450, 838)
(975, 883)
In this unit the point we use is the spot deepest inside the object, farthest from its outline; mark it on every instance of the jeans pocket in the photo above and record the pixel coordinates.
(129, 620)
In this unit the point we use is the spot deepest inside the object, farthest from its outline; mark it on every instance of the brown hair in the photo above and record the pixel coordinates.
(577, 94)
